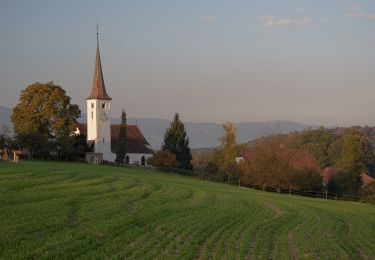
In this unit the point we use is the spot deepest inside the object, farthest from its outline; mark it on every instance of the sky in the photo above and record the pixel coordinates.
(311, 61)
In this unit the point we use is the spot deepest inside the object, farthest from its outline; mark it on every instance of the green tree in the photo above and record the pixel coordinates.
(227, 151)
(345, 183)
(42, 116)
(316, 142)
(177, 142)
(65, 145)
(5, 138)
(80, 146)
(356, 153)
(121, 146)
(6, 142)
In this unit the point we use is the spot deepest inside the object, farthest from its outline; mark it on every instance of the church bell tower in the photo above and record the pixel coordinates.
(99, 111)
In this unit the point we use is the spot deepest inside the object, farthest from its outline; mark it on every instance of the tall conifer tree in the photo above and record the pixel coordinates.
(121, 146)
(176, 141)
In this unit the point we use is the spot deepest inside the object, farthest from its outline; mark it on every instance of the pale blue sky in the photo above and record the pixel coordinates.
(311, 61)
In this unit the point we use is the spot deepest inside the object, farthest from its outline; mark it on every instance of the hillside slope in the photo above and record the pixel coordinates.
(58, 210)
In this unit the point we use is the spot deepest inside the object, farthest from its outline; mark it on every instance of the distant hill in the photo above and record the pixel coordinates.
(206, 135)
(201, 135)
(5, 114)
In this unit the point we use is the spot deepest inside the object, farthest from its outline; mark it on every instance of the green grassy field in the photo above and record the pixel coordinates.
(58, 210)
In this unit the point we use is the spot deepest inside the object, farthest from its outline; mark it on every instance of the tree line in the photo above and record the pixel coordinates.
(273, 167)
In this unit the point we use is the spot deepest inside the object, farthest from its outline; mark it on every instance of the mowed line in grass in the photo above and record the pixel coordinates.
(59, 210)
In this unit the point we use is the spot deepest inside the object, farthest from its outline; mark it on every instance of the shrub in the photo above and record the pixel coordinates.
(163, 159)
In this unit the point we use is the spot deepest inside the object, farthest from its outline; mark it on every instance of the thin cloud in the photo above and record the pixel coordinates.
(355, 10)
(354, 7)
(207, 19)
(271, 21)
(354, 14)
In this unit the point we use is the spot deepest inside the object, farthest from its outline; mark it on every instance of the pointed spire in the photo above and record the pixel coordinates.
(98, 88)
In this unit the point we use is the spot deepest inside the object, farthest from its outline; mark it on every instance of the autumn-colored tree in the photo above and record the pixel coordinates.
(227, 151)
(270, 165)
(356, 152)
(163, 159)
(42, 116)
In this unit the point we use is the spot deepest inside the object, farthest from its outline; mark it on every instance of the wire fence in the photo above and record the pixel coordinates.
(323, 193)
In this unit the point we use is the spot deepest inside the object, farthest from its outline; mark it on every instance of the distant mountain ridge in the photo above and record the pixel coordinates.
(201, 135)
(5, 114)
(206, 135)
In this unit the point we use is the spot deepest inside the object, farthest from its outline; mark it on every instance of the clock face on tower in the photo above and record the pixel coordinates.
(103, 116)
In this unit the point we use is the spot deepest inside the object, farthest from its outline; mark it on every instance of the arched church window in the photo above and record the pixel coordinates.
(143, 161)
(92, 105)
(103, 105)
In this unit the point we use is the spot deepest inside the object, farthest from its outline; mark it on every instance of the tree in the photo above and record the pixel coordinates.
(80, 146)
(163, 159)
(42, 116)
(307, 179)
(316, 142)
(356, 153)
(227, 151)
(65, 144)
(5, 139)
(121, 146)
(6, 142)
(202, 161)
(177, 142)
(345, 183)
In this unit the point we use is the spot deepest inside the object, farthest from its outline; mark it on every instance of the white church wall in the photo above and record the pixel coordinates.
(136, 158)
(99, 127)
(92, 119)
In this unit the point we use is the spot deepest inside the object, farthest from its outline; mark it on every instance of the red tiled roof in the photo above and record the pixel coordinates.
(135, 142)
(366, 180)
(298, 158)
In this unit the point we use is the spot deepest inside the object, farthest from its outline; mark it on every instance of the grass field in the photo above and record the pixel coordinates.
(58, 210)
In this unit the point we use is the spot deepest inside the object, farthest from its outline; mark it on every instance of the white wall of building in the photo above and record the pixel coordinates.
(136, 158)
(99, 126)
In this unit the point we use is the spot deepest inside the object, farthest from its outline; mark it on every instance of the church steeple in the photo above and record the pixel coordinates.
(98, 88)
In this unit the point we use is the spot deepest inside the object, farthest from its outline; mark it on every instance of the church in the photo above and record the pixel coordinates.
(102, 136)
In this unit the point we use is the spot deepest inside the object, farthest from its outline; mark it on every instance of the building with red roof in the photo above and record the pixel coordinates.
(102, 137)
